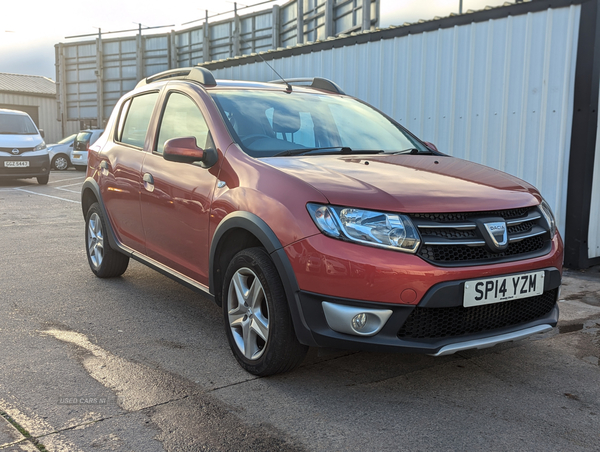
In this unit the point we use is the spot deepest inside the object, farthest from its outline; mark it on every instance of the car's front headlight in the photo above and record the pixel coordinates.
(386, 230)
(549, 216)
(40, 146)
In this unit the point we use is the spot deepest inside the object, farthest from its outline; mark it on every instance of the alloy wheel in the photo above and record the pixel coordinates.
(95, 238)
(248, 313)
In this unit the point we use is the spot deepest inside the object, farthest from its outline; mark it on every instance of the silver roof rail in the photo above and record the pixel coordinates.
(196, 74)
(315, 82)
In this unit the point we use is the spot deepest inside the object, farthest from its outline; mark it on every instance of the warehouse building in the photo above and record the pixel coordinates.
(36, 96)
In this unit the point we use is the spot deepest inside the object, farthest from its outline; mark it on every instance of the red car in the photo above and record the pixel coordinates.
(315, 220)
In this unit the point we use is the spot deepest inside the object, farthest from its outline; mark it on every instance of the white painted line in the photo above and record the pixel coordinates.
(49, 196)
(71, 178)
(70, 185)
(66, 189)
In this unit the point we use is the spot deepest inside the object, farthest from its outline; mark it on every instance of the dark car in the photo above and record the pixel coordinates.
(315, 220)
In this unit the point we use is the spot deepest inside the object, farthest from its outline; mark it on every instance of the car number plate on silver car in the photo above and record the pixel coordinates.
(495, 290)
(16, 164)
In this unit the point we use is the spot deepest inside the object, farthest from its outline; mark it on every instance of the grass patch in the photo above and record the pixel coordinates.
(24, 432)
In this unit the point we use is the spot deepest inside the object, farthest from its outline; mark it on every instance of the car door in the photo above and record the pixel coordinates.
(121, 169)
(176, 197)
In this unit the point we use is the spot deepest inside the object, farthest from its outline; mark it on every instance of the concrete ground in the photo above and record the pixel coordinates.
(140, 363)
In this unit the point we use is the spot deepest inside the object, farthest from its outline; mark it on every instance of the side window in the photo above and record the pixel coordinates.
(135, 118)
(182, 118)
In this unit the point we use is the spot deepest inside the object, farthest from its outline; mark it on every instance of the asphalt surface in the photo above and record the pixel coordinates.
(140, 363)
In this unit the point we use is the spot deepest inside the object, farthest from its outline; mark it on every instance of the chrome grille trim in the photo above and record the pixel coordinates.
(451, 239)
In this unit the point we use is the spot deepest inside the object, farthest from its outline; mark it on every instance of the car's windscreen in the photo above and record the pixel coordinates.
(267, 123)
(16, 125)
(67, 140)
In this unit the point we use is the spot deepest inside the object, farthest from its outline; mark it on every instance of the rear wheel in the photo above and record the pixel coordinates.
(60, 162)
(104, 261)
(257, 317)
(43, 180)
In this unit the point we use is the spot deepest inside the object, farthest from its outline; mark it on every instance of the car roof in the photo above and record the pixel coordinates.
(13, 112)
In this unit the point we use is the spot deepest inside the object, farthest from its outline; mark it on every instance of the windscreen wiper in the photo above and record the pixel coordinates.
(411, 151)
(326, 150)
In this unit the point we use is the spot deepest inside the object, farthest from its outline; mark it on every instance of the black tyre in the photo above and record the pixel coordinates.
(43, 180)
(60, 162)
(257, 317)
(104, 261)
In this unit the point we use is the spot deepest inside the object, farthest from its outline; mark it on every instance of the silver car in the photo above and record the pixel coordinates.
(83, 140)
(60, 153)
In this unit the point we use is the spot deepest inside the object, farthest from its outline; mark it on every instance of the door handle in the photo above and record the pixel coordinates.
(148, 182)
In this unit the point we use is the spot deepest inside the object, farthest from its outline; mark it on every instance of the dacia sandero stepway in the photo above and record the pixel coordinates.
(315, 220)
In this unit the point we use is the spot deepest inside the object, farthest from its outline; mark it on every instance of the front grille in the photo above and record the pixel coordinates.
(461, 253)
(458, 239)
(437, 323)
(21, 150)
(462, 216)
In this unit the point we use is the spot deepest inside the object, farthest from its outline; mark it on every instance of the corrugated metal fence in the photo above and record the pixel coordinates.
(92, 75)
(594, 229)
(498, 92)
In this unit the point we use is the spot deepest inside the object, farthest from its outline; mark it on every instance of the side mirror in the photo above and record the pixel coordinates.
(183, 150)
(431, 146)
(42, 133)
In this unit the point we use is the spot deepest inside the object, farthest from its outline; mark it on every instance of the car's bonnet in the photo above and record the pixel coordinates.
(20, 141)
(409, 183)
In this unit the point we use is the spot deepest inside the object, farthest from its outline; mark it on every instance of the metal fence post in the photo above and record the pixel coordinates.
(366, 15)
(300, 22)
(173, 57)
(236, 31)
(62, 80)
(206, 41)
(99, 81)
(139, 56)
(276, 26)
(329, 24)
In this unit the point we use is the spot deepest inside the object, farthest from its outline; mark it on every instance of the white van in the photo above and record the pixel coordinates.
(23, 152)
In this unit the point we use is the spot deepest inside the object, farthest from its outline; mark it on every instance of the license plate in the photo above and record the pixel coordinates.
(495, 290)
(17, 164)
(76, 156)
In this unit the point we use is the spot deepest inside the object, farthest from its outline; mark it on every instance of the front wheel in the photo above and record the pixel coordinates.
(104, 261)
(43, 180)
(257, 317)
(60, 162)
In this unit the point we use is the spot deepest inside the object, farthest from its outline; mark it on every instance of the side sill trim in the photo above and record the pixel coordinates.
(491, 341)
(167, 271)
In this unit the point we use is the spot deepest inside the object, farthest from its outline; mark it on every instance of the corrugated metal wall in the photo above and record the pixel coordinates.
(594, 228)
(498, 92)
(47, 114)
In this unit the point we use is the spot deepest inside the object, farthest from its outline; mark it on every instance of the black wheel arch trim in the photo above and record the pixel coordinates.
(260, 229)
(92, 185)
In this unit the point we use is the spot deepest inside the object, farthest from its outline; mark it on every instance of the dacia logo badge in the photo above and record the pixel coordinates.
(498, 233)
(15, 152)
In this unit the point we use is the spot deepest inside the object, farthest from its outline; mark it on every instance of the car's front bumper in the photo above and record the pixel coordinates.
(39, 165)
(439, 324)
